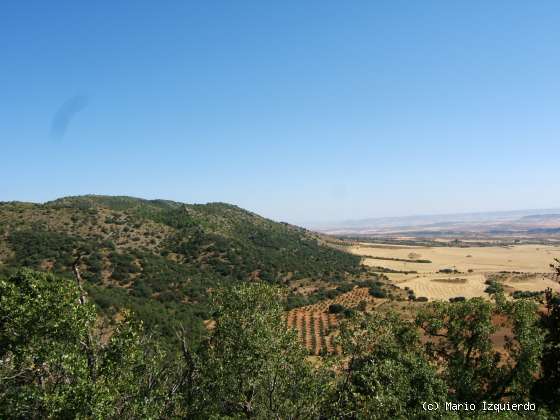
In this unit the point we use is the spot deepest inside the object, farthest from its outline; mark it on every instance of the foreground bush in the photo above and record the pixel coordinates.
(53, 362)
(58, 361)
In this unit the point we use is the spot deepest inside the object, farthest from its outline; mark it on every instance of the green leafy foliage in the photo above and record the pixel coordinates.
(387, 375)
(521, 294)
(255, 365)
(547, 391)
(493, 287)
(58, 361)
(375, 290)
(336, 308)
(52, 365)
(461, 339)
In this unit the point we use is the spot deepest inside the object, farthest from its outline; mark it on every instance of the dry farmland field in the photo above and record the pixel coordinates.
(465, 269)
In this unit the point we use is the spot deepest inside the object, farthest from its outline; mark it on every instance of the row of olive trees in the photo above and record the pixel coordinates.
(57, 361)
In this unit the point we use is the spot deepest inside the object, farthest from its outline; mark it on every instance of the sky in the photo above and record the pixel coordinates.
(300, 111)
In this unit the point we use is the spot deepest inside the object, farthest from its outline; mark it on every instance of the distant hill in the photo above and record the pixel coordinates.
(528, 222)
(541, 217)
(159, 257)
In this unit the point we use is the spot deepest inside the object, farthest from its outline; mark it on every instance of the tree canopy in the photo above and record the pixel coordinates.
(59, 359)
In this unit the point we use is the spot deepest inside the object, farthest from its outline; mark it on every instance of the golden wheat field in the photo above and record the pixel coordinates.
(473, 265)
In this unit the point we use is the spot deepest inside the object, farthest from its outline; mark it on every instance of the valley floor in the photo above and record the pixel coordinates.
(465, 270)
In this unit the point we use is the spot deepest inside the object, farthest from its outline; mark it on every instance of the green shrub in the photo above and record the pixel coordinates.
(336, 308)
(520, 294)
(378, 293)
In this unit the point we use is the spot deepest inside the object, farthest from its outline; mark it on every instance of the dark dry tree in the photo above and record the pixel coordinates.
(547, 389)
(88, 343)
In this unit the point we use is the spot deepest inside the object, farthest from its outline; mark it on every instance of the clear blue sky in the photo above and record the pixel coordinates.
(299, 110)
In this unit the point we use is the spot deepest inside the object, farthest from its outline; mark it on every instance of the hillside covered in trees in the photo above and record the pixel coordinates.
(161, 258)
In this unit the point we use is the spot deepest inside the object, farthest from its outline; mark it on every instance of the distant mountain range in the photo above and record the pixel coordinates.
(518, 222)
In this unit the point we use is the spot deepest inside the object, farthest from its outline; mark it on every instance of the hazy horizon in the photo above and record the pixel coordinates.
(304, 113)
(511, 212)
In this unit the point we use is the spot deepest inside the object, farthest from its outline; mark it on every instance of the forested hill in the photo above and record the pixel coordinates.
(160, 257)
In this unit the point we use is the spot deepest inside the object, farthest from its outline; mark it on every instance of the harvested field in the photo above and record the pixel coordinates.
(522, 258)
(432, 287)
(536, 283)
(469, 267)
